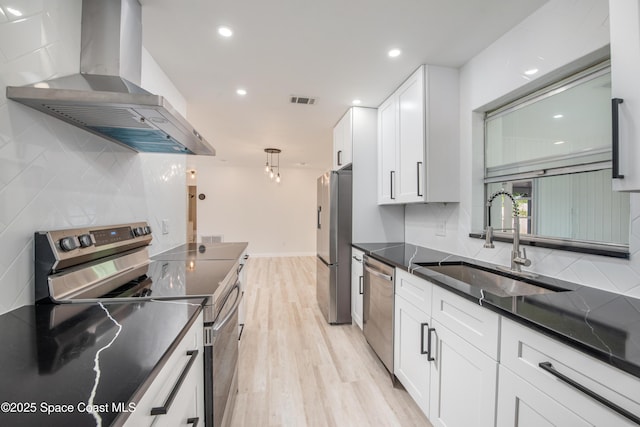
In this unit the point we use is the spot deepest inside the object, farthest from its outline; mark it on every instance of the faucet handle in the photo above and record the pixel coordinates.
(524, 260)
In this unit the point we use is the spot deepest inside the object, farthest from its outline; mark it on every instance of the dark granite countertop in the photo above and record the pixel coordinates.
(602, 324)
(61, 358)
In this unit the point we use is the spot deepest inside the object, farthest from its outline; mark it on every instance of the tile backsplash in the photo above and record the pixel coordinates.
(53, 175)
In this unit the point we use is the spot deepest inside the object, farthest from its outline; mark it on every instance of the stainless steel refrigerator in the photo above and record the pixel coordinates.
(333, 282)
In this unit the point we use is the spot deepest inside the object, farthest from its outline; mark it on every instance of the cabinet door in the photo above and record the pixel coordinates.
(411, 120)
(357, 284)
(463, 382)
(337, 144)
(624, 24)
(342, 141)
(410, 361)
(387, 138)
(522, 405)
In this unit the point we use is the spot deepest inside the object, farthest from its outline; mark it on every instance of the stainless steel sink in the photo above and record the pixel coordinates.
(494, 283)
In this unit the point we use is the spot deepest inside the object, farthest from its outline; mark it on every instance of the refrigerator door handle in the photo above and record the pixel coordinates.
(319, 212)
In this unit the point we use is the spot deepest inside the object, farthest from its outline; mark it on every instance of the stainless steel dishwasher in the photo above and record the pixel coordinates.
(377, 316)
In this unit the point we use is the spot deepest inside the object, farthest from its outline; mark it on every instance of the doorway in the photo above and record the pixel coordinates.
(192, 214)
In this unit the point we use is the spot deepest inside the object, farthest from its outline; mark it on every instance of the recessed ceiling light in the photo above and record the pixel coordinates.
(531, 72)
(559, 142)
(225, 31)
(241, 92)
(394, 53)
(356, 102)
(558, 116)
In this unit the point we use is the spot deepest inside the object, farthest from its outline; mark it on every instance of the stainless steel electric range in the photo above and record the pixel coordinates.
(92, 264)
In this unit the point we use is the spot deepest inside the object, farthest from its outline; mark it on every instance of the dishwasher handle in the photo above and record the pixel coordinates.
(377, 273)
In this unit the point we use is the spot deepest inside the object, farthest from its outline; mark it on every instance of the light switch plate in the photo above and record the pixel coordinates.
(165, 226)
(441, 229)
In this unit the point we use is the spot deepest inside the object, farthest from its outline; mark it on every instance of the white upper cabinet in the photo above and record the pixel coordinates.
(343, 141)
(624, 22)
(418, 143)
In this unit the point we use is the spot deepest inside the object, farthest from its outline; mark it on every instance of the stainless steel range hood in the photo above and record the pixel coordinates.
(105, 97)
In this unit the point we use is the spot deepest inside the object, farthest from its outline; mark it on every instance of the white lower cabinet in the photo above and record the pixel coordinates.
(463, 382)
(465, 365)
(178, 388)
(411, 364)
(539, 363)
(453, 381)
(357, 285)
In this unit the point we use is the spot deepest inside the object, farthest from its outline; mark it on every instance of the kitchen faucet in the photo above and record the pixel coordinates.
(517, 259)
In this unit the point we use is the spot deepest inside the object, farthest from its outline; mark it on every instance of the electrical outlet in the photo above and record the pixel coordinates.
(441, 229)
(165, 226)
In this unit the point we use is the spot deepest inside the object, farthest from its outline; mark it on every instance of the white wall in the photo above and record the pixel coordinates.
(559, 33)
(243, 204)
(53, 175)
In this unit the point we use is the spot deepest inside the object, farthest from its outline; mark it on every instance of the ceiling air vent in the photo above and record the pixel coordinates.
(306, 100)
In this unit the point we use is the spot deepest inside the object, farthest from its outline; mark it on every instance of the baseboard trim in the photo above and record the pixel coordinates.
(280, 254)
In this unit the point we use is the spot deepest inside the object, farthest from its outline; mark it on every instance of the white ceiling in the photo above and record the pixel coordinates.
(335, 50)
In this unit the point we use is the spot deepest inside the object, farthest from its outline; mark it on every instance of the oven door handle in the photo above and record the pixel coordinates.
(377, 273)
(219, 325)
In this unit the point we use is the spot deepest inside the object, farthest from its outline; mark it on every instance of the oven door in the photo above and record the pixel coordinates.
(222, 360)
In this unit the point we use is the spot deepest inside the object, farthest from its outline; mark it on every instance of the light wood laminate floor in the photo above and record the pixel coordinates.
(296, 370)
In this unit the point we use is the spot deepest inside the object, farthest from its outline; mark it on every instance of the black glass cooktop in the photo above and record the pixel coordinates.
(204, 251)
(177, 279)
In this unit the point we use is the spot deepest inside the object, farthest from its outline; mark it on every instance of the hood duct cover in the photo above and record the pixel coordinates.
(104, 98)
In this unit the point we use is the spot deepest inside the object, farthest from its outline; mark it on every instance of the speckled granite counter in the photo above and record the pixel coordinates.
(65, 358)
(602, 324)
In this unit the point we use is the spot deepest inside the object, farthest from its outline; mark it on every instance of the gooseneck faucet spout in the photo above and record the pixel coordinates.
(518, 259)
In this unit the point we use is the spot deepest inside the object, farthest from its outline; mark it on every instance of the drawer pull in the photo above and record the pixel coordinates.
(161, 410)
(547, 366)
(360, 285)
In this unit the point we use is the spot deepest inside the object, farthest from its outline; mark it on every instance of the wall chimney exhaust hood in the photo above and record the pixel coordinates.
(105, 97)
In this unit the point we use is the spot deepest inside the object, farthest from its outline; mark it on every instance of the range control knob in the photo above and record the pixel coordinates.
(137, 232)
(147, 230)
(68, 243)
(85, 240)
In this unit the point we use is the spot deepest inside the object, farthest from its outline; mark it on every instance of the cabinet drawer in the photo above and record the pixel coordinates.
(474, 323)
(523, 349)
(415, 290)
(167, 378)
(521, 404)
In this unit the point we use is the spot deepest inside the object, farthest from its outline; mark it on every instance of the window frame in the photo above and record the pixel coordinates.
(521, 171)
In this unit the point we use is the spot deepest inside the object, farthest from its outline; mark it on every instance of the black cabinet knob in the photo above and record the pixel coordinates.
(68, 243)
(85, 240)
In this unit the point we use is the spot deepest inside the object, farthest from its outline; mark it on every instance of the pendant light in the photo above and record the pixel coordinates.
(273, 169)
